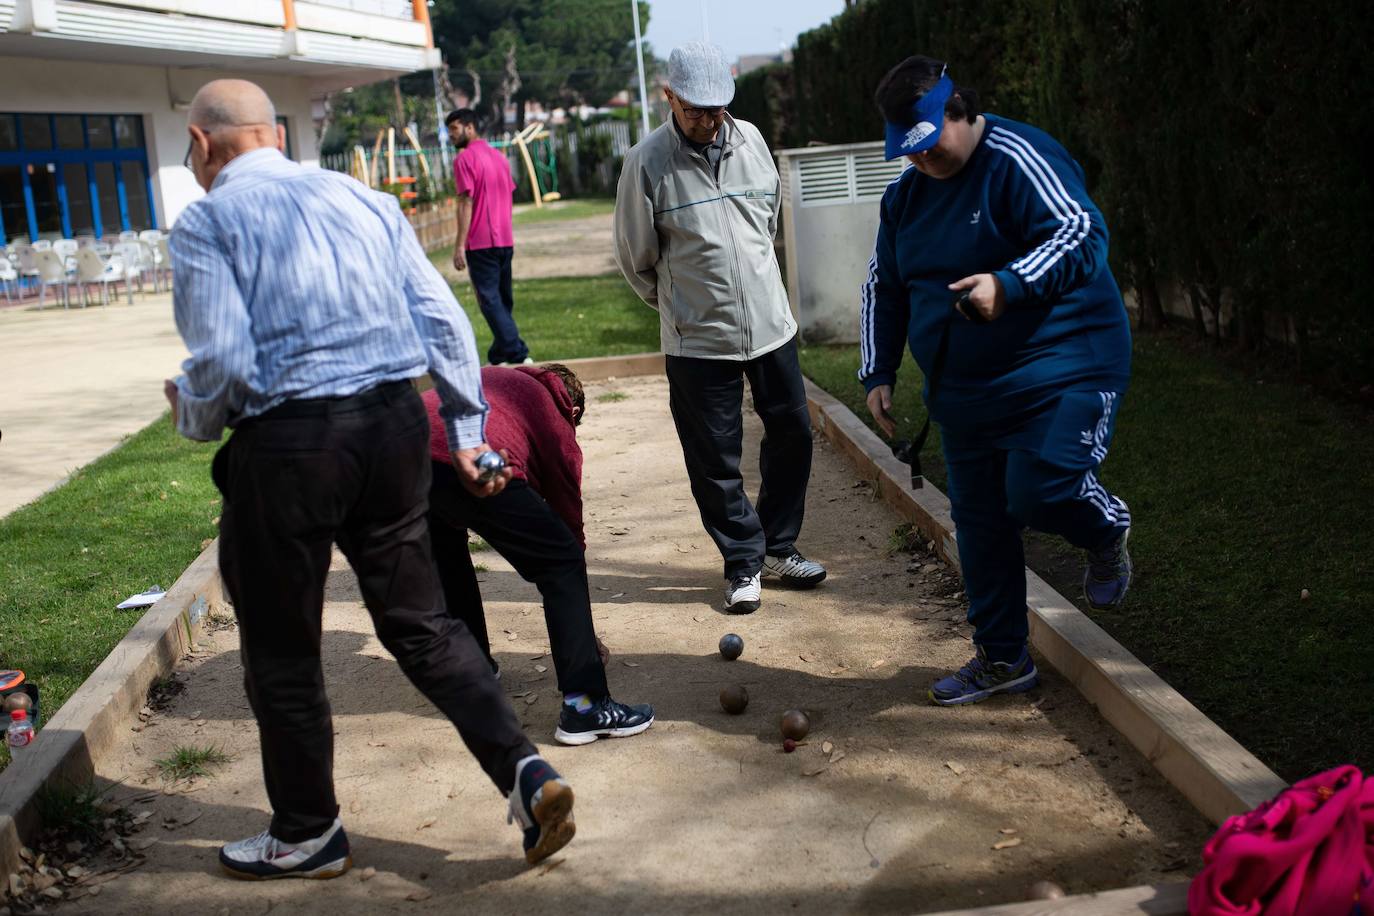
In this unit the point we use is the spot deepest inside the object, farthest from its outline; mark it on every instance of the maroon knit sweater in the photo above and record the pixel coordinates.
(531, 418)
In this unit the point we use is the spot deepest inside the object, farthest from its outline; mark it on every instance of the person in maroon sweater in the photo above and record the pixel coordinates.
(536, 524)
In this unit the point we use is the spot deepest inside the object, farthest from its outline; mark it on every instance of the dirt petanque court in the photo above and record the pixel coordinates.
(891, 804)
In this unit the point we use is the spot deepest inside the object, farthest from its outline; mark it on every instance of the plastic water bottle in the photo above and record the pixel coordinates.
(20, 733)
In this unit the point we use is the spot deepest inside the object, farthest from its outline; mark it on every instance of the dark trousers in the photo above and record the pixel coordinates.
(353, 471)
(523, 528)
(489, 269)
(706, 397)
(1038, 472)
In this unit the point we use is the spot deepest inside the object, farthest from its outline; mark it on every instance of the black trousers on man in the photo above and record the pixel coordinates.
(354, 471)
(524, 529)
(706, 397)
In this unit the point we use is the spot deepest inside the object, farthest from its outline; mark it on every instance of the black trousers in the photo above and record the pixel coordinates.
(490, 271)
(353, 471)
(524, 529)
(706, 398)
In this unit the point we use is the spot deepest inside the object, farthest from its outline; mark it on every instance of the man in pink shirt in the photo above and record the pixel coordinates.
(486, 241)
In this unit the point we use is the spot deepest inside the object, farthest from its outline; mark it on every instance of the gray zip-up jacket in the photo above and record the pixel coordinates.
(698, 246)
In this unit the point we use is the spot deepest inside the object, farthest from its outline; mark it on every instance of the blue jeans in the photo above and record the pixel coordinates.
(1039, 472)
(489, 269)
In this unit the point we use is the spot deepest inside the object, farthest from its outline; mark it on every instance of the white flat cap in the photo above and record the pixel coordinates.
(699, 75)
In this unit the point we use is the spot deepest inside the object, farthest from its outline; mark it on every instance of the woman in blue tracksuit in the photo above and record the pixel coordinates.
(1035, 363)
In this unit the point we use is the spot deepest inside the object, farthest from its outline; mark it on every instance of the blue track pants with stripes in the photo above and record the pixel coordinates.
(1039, 471)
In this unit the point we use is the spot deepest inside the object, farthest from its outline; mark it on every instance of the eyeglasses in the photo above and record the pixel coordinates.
(187, 161)
(696, 114)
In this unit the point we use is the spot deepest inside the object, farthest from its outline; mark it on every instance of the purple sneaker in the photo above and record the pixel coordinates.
(980, 679)
(1108, 576)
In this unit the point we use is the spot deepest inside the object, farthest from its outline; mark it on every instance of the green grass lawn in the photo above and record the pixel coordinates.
(582, 207)
(1243, 494)
(131, 519)
(570, 317)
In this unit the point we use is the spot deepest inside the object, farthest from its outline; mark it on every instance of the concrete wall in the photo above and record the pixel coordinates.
(160, 95)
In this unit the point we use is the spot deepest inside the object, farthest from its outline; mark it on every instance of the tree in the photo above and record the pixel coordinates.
(555, 52)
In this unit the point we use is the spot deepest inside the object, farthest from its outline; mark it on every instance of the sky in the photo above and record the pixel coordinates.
(738, 26)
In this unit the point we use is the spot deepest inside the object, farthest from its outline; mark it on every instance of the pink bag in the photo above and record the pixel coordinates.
(1307, 852)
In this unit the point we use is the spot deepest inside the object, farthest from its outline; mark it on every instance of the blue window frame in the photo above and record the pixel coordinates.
(59, 173)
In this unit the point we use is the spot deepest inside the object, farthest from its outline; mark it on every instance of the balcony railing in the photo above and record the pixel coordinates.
(396, 9)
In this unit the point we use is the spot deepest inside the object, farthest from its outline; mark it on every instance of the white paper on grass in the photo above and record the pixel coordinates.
(142, 599)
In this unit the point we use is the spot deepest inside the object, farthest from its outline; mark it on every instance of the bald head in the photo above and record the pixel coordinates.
(231, 103)
(227, 119)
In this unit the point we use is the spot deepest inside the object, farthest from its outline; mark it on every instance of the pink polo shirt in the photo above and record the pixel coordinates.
(484, 174)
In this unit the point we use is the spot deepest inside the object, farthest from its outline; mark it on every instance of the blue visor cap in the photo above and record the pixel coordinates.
(927, 121)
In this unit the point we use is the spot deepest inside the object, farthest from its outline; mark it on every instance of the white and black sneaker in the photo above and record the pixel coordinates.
(742, 594)
(794, 570)
(262, 857)
(605, 719)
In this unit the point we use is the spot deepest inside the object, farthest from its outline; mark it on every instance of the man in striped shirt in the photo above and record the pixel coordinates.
(1026, 378)
(308, 305)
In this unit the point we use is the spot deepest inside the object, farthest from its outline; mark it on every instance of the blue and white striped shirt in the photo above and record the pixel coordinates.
(294, 282)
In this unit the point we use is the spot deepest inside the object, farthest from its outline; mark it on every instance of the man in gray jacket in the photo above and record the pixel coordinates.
(695, 216)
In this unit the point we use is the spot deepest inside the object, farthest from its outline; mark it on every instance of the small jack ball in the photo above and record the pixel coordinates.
(795, 724)
(1045, 890)
(731, 647)
(788, 745)
(734, 699)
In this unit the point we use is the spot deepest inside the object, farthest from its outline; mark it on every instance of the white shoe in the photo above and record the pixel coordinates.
(261, 857)
(794, 570)
(742, 594)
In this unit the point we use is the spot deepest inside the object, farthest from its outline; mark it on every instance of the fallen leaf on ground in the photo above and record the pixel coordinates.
(826, 747)
(1007, 831)
(1007, 844)
(879, 663)
(367, 874)
(531, 699)
(376, 744)
(535, 658)
(418, 895)
(511, 636)
(814, 769)
(135, 845)
(427, 822)
(957, 768)
(194, 715)
(837, 757)
(541, 668)
(804, 658)
(631, 664)
(618, 595)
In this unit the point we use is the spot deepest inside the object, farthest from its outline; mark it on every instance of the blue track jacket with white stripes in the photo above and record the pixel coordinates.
(1017, 209)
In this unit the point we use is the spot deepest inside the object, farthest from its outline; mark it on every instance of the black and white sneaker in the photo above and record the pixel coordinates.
(742, 594)
(794, 570)
(263, 857)
(605, 719)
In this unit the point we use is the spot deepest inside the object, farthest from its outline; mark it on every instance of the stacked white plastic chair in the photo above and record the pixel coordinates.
(92, 269)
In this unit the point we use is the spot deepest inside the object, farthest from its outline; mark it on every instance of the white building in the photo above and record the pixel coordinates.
(94, 94)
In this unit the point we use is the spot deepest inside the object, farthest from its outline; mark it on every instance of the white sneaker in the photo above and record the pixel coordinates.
(742, 594)
(795, 570)
(262, 857)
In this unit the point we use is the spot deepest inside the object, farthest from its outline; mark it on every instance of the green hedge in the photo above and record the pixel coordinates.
(1222, 139)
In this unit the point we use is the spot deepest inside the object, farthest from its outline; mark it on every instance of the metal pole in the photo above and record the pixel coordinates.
(639, 56)
(439, 128)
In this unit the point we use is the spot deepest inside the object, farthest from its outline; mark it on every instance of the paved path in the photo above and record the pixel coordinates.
(73, 383)
(891, 806)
